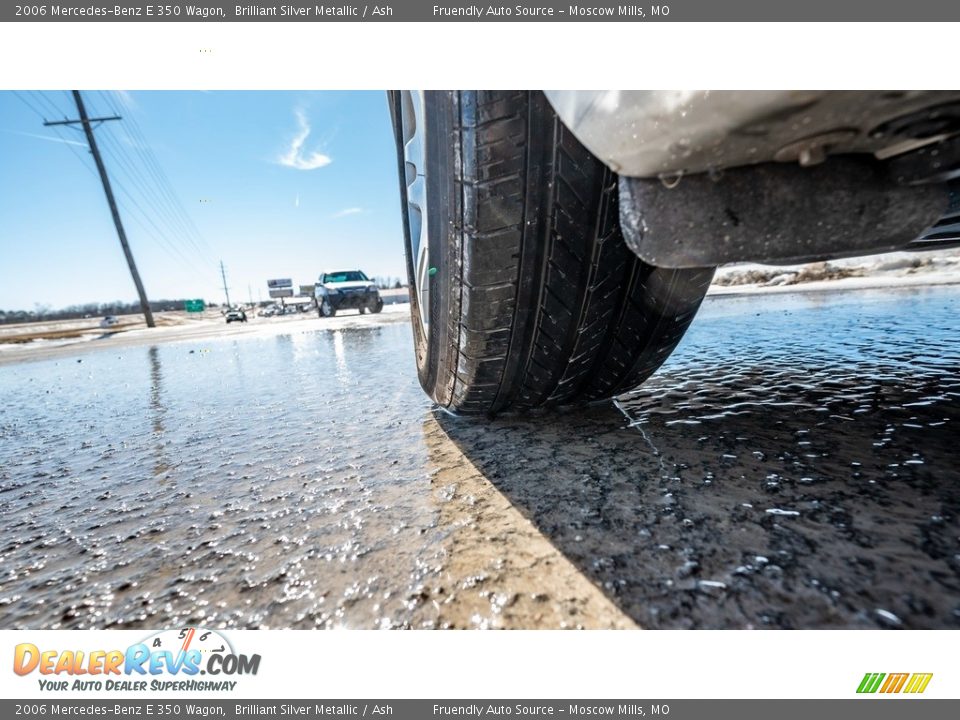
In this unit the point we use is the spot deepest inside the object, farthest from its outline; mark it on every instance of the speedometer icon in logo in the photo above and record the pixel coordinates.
(180, 642)
(192, 651)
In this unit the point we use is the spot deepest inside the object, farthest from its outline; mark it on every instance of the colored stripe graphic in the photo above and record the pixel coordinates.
(870, 682)
(918, 682)
(894, 683)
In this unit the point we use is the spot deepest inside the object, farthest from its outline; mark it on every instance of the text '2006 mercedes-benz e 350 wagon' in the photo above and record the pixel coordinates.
(559, 243)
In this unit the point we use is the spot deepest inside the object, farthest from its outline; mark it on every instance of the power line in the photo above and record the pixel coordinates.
(149, 200)
(116, 148)
(125, 165)
(70, 145)
(139, 183)
(141, 145)
(19, 96)
(44, 100)
(167, 245)
(156, 199)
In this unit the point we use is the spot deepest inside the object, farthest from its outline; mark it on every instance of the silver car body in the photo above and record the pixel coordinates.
(667, 133)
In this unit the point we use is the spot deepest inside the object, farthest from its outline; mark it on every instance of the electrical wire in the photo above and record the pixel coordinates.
(142, 146)
(146, 219)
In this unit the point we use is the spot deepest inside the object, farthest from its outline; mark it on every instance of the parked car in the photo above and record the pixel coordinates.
(109, 321)
(559, 244)
(271, 311)
(345, 289)
(236, 315)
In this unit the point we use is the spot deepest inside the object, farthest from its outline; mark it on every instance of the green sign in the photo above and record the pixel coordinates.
(194, 305)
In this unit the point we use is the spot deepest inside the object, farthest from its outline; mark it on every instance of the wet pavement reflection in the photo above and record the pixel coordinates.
(794, 465)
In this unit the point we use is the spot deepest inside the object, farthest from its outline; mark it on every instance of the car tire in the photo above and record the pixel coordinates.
(534, 298)
(377, 306)
(326, 309)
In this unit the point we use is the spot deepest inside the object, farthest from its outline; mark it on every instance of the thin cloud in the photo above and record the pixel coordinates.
(348, 211)
(49, 138)
(126, 99)
(125, 104)
(296, 201)
(295, 156)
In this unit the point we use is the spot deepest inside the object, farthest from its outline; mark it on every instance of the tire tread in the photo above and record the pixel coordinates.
(602, 320)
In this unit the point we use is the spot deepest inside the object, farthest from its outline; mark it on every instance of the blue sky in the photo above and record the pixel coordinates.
(276, 184)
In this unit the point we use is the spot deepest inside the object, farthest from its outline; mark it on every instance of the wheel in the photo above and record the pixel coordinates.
(377, 306)
(327, 309)
(522, 291)
(362, 310)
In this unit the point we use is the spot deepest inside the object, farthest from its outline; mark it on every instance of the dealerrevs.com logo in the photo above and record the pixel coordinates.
(170, 660)
(887, 683)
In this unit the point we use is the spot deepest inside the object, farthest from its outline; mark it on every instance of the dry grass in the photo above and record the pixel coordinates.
(28, 332)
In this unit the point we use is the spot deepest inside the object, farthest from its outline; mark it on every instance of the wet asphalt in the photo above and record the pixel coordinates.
(793, 465)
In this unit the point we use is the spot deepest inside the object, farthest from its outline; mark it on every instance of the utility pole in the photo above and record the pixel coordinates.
(223, 274)
(95, 151)
(250, 294)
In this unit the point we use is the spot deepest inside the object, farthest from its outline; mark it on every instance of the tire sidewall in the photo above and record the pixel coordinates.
(433, 349)
(445, 169)
(425, 372)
